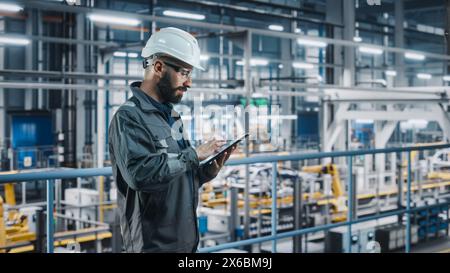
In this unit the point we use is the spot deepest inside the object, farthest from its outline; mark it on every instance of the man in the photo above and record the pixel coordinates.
(156, 170)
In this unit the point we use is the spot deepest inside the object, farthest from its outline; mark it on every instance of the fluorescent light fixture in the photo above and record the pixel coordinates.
(364, 121)
(446, 78)
(414, 124)
(257, 62)
(439, 31)
(280, 66)
(424, 76)
(186, 15)
(414, 56)
(107, 19)
(258, 95)
(254, 62)
(391, 73)
(124, 54)
(289, 117)
(308, 42)
(276, 27)
(302, 65)
(13, 41)
(357, 39)
(119, 54)
(370, 50)
(204, 57)
(9, 7)
(298, 30)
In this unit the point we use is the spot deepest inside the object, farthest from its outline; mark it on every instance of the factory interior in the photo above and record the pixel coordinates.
(346, 103)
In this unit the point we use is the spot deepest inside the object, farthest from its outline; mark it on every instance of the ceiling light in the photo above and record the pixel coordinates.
(102, 18)
(308, 42)
(9, 7)
(254, 62)
(414, 56)
(391, 73)
(13, 41)
(370, 50)
(357, 39)
(186, 15)
(446, 78)
(302, 65)
(364, 121)
(424, 76)
(119, 54)
(276, 27)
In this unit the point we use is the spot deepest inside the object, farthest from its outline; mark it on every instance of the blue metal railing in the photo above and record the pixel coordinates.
(50, 176)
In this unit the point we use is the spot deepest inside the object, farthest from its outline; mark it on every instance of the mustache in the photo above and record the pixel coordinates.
(182, 88)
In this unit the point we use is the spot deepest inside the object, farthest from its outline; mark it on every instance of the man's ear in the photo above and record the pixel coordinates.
(158, 68)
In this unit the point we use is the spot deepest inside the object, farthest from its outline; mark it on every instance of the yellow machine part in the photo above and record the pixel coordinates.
(63, 242)
(2, 226)
(439, 175)
(332, 170)
(10, 197)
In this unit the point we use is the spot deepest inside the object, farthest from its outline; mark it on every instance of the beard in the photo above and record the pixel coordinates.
(167, 92)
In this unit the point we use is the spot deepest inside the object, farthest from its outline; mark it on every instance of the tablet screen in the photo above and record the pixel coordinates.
(210, 159)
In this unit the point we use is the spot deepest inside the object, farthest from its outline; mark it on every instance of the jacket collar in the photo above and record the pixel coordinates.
(144, 99)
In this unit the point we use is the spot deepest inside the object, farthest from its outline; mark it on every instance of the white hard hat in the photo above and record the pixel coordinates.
(174, 42)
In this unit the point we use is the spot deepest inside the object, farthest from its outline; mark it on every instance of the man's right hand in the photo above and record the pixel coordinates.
(209, 148)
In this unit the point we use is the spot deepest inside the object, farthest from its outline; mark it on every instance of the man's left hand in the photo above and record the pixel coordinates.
(217, 164)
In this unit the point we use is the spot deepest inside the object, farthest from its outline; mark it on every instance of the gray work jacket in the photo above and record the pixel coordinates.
(156, 198)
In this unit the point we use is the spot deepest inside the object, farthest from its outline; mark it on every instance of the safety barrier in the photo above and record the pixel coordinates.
(50, 176)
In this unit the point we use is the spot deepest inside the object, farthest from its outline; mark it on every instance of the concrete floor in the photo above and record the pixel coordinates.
(433, 246)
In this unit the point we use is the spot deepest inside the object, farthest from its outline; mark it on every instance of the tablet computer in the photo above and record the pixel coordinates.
(211, 158)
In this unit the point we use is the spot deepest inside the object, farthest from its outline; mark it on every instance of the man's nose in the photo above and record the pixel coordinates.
(187, 83)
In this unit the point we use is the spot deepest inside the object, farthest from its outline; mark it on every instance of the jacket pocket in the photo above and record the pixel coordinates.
(163, 140)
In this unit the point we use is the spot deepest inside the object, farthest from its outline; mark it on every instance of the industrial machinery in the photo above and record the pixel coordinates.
(324, 200)
(22, 226)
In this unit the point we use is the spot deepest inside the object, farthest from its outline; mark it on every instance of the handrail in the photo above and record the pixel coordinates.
(50, 177)
(107, 171)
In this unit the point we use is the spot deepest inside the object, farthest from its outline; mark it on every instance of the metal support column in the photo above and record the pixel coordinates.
(349, 52)
(274, 206)
(399, 35)
(81, 52)
(298, 214)
(408, 207)
(350, 201)
(400, 186)
(100, 136)
(348, 77)
(234, 213)
(248, 84)
(50, 220)
(2, 94)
